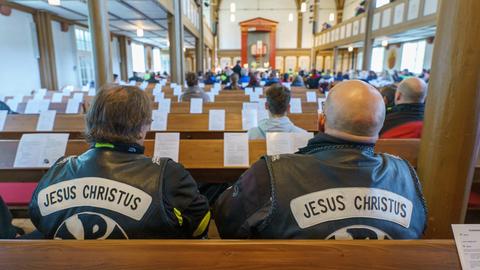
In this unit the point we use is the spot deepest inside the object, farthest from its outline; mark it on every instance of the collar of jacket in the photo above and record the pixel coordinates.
(323, 142)
(411, 107)
(131, 148)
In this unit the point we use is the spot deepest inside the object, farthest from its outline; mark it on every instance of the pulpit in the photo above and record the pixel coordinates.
(259, 43)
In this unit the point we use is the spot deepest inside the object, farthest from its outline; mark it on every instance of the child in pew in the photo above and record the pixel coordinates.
(277, 105)
(113, 191)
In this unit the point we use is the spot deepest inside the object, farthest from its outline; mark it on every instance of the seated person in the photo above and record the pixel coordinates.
(405, 120)
(135, 77)
(234, 83)
(193, 91)
(244, 78)
(113, 191)
(5, 107)
(286, 78)
(277, 105)
(388, 94)
(152, 78)
(7, 231)
(273, 79)
(298, 81)
(254, 81)
(336, 187)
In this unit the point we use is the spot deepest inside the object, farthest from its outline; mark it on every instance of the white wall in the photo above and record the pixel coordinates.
(19, 71)
(349, 9)
(277, 10)
(307, 33)
(323, 13)
(65, 55)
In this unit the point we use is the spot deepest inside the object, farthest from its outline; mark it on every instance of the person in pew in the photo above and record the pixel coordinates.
(7, 230)
(113, 191)
(273, 79)
(244, 78)
(254, 81)
(135, 77)
(298, 81)
(237, 69)
(336, 187)
(234, 83)
(388, 94)
(5, 107)
(405, 120)
(193, 91)
(277, 105)
(152, 78)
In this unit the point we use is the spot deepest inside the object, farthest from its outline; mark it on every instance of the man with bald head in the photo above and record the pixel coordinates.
(405, 120)
(336, 187)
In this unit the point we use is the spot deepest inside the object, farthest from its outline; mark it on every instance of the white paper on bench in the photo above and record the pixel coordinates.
(37, 106)
(235, 150)
(177, 90)
(40, 94)
(201, 85)
(92, 92)
(167, 145)
(13, 103)
(78, 96)
(211, 96)
(164, 105)
(57, 97)
(159, 96)
(248, 91)
(72, 106)
(254, 97)
(249, 119)
(160, 120)
(46, 120)
(3, 119)
(285, 142)
(216, 120)
(295, 105)
(85, 88)
(40, 150)
(311, 96)
(467, 240)
(196, 105)
(244, 84)
(157, 90)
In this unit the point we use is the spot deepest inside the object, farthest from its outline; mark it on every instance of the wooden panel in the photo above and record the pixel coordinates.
(221, 254)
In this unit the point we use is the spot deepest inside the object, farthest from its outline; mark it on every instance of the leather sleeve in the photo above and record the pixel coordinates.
(183, 199)
(245, 205)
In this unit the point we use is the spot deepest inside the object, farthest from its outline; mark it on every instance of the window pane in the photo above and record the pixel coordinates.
(377, 59)
(157, 64)
(413, 55)
(382, 3)
(138, 57)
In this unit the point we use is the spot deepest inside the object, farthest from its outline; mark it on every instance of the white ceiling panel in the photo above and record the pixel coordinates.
(41, 5)
(164, 23)
(120, 10)
(124, 25)
(146, 25)
(76, 6)
(149, 8)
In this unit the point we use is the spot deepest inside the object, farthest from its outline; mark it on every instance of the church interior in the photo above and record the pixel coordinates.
(253, 134)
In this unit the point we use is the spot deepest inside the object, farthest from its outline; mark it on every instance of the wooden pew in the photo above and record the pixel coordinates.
(233, 254)
(191, 126)
(58, 107)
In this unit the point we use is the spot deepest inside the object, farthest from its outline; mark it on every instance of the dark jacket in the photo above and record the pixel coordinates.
(135, 78)
(237, 69)
(331, 189)
(404, 121)
(5, 107)
(115, 192)
(7, 231)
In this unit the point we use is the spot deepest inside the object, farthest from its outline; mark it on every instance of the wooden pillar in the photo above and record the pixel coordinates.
(368, 42)
(200, 43)
(273, 47)
(122, 41)
(451, 132)
(175, 33)
(299, 30)
(99, 30)
(47, 63)
(334, 59)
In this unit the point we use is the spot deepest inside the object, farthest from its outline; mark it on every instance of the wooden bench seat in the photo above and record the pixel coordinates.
(233, 254)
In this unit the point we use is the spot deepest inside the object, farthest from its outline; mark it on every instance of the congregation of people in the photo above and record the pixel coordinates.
(319, 192)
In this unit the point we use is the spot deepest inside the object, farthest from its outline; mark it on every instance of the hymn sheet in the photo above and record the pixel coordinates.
(40, 150)
(235, 150)
(167, 145)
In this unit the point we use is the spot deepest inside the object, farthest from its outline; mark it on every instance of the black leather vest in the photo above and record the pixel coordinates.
(103, 194)
(343, 193)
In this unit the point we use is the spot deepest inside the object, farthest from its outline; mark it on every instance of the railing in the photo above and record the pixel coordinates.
(396, 17)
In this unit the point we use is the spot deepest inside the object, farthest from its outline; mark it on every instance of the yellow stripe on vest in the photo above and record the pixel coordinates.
(203, 225)
(178, 214)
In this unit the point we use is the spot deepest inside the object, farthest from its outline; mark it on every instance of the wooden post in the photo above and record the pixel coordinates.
(47, 63)
(200, 43)
(334, 59)
(122, 41)
(99, 30)
(299, 30)
(175, 33)
(451, 132)
(368, 42)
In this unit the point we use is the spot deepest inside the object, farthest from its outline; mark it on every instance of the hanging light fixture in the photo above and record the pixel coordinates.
(139, 32)
(290, 17)
(303, 7)
(54, 2)
(232, 17)
(331, 17)
(385, 43)
(233, 7)
(350, 49)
